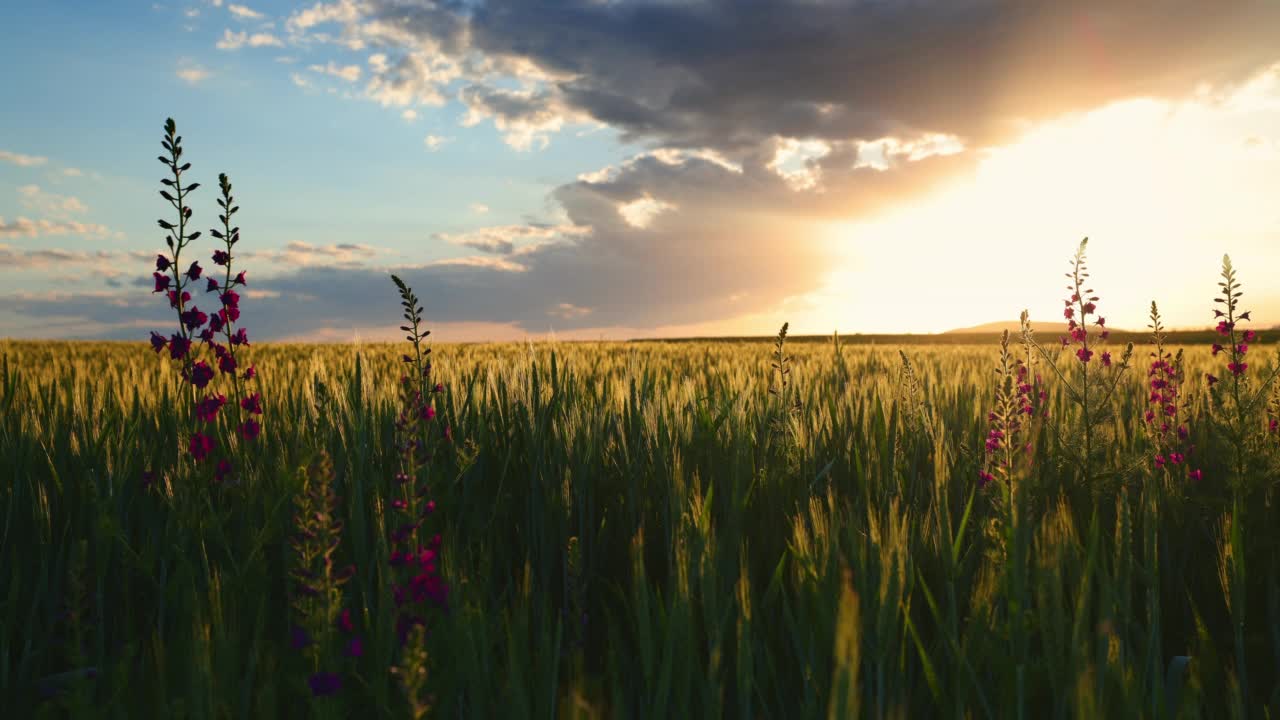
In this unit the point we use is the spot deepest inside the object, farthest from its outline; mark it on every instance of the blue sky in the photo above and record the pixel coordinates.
(636, 168)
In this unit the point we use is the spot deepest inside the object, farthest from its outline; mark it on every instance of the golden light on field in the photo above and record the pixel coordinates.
(1162, 189)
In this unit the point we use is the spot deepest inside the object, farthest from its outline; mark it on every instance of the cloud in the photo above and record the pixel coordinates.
(47, 203)
(193, 74)
(409, 115)
(505, 239)
(304, 254)
(343, 11)
(11, 257)
(640, 212)
(236, 40)
(525, 117)
(478, 208)
(730, 77)
(350, 73)
(25, 227)
(434, 142)
(244, 13)
(22, 160)
(414, 78)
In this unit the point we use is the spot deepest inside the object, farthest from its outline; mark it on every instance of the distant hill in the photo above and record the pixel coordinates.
(995, 328)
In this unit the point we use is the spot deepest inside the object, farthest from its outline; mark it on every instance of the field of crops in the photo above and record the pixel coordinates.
(636, 530)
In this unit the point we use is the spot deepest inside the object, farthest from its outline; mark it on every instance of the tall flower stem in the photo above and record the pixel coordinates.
(230, 236)
(178, 238)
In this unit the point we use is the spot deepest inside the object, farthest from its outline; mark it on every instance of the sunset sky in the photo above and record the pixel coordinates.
(625, 168)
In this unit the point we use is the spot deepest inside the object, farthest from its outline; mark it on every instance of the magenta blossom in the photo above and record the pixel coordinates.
(212, 286)
(173, 298)
(227, 364)
(193, 318)
(223, 471)
(194, 271)
(240, 338)
(220, 257)
(207, 409)
(250, 429)
(200, 446)
(239, 279)
(162, 282)
(162, 263)
(157, 341)
(252, 403)
(178, 346)
(201, 374)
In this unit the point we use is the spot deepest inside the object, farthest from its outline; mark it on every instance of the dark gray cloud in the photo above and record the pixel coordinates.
(730, 74)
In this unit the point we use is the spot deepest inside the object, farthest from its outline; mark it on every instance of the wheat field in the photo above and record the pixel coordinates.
(632, 530)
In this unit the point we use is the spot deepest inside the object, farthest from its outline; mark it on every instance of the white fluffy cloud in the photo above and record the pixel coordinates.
(22, 160)
(26, 227)
(242, 12)
(34, 198)
(236, 40)
(349, 73)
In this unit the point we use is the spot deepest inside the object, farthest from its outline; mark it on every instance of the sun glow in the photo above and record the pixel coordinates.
(1163, 189)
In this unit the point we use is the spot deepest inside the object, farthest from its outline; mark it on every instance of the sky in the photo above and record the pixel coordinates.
(642, 168)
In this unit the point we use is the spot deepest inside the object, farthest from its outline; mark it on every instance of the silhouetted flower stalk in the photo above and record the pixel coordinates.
(321, 623)
(1239, 410)
(246, 407)
(197, 325)
(418, 585)
(170, 278)
(1237, 413)
(1165, 419)
(1097, 372)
